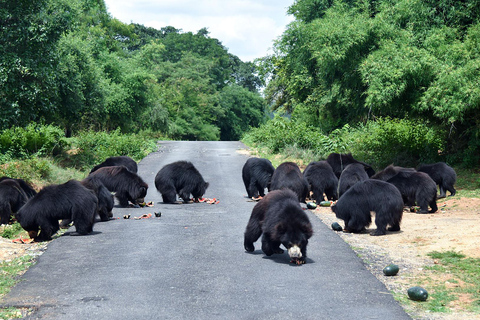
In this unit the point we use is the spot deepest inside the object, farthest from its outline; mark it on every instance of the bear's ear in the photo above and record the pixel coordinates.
(333, 208)
(206, 185)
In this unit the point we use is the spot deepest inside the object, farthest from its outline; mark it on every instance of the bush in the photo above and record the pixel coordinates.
(280, 133)
(381, 142)
(94, 147)
(42, 140)
(402, 142)
(31, 169)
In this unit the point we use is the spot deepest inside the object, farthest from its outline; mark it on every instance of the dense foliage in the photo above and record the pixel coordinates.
(351, 62)
(39, 153)
(70, 64)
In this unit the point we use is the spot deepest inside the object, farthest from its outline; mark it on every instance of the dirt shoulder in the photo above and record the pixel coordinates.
(453, 227)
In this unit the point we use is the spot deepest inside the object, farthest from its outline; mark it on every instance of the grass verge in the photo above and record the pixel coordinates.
(11, 272)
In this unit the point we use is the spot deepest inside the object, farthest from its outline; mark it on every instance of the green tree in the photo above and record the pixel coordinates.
(345, 61)
(29, 32)
(242, 110)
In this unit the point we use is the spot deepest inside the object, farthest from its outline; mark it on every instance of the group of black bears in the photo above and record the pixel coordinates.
(354, 186)
(82, 201)
(278, 217)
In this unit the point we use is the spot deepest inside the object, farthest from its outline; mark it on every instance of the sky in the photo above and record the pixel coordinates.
(247, 28)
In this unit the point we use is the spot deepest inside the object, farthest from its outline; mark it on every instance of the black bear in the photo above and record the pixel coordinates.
(340, 161)
(125, 161)
(355, 207)
(257, 175)
(105, 201)
(127, 185)
(182, 178)
(26, 187)
(353, 173)
(281, 220)
(389, 172)
(288, 176)
(12, 198)
(320, 177)
(443, 175)
(416, 187)
(70, 200)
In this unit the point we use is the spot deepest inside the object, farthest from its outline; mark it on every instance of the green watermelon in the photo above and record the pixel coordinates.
(336, 226)
(325, 203)
(417, 294)
(391, 270)
(311, 205)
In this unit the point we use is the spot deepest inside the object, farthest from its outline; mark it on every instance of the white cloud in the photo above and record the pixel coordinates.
(247, 28)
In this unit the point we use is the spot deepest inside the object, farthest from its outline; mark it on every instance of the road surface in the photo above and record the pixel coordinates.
(190, 262)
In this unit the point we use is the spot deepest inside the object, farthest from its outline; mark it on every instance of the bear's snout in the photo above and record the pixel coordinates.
(295, 252)
(33, 234)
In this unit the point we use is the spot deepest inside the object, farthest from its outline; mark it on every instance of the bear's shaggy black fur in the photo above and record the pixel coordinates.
(443, 175)
(26, 187)
(320, 177)
(105, 200)
(389, 172)
(288, 176)
(355, 206)
(340, 161)
(125, 161)
(257, 175)
(12, 198)
(70, 200)
(281, 220)
(127, 185)
(182, 178)
(416, 187)
(353, 173)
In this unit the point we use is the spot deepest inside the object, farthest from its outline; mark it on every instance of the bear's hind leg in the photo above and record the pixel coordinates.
(252, 233)
(169, 196)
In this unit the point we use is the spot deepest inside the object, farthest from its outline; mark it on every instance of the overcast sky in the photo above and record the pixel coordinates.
(246, 28)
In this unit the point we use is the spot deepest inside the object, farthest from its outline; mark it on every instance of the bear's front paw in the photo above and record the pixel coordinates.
(249, 247)
(378, 233)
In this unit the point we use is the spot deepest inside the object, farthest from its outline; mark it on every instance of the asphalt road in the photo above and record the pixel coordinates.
(190, 263)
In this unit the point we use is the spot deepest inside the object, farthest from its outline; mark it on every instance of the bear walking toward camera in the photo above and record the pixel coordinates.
(12, 198)
(70, 200)
(182, 178)
(257, 175)
(353, 173)
(288, 176)
(416, 187)
(355, 206)
(125, 161)
(281, 220)
(321, 179)
(443, 175)
(127, 185)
